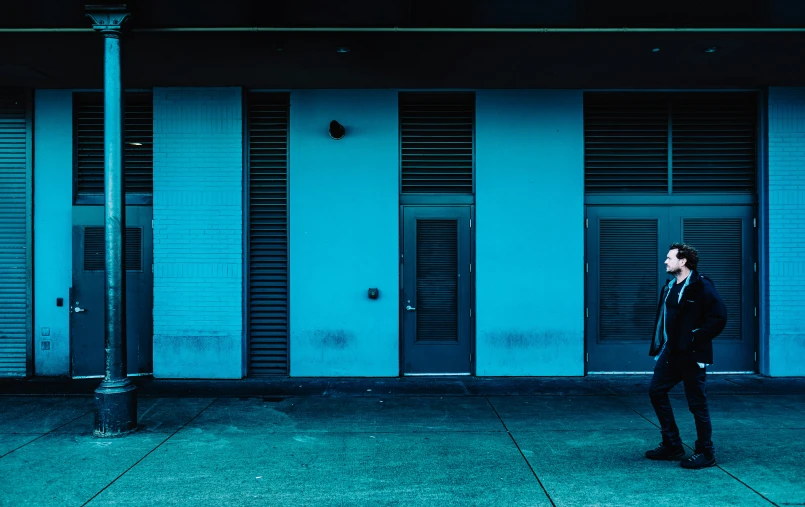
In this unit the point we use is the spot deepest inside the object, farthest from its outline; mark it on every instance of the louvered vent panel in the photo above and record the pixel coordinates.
(629, 284)
(714, 142)
(718, 241)
(14, 206)
(95, 249)
(139, 143)
(138, 150)
(437, 142)
(268, 116)
(625, 143)
(437, 280)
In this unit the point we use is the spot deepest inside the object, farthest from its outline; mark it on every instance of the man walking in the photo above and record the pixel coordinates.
(690, 314)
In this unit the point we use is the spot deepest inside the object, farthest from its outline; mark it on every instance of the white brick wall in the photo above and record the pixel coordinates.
(786, 231)
(198, 308)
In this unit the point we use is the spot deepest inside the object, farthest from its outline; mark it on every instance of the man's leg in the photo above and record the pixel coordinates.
(694, 379)
(664, 379)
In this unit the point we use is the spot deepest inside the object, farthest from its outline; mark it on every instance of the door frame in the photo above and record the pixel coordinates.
(591, 244)
(401, 275)
(673, 208)
(749, 301)
(77, 248)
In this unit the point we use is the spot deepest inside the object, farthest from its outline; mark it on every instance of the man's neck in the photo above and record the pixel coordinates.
(680, 277)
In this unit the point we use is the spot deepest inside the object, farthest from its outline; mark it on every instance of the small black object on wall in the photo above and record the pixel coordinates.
(374, 293)
(337, 131)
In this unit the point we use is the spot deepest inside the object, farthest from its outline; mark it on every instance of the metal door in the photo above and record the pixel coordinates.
(723, 235)
(87, 295)
(626, 248)
(436, 291)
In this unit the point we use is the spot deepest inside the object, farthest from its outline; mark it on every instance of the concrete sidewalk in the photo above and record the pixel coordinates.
(454, 441)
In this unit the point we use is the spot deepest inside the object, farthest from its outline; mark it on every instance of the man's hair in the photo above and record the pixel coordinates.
(687, 252)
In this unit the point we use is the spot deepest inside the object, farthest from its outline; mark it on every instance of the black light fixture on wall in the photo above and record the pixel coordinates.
(337, 130)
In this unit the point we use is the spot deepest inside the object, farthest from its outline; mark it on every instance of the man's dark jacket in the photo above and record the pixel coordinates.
(701, 316)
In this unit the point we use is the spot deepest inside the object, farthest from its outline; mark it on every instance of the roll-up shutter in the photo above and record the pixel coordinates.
(437, 134)
(268, 116)
(700, 142)
(15, 233)
(138, 152)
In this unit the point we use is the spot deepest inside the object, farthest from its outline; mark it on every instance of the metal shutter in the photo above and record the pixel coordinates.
(15, 234)
(714, 142)
(701, 142)
(628, 297)
(138, 143)
(437, 280)
(268, 115)
(437, 134)
(625, 143)
(720, 247)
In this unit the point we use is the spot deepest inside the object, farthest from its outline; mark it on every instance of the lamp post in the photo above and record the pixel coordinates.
(116, 397)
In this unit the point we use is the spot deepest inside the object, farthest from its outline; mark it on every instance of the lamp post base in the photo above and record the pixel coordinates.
(115, 409)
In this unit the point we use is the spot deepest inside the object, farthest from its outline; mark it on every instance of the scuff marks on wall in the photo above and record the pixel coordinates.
(333, 338)
(521, 339)
(513, 351)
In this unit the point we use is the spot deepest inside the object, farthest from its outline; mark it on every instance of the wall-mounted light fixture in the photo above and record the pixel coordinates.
(337, 130)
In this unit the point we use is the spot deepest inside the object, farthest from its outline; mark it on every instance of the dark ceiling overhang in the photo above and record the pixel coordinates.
(420, 13)
(414, 44)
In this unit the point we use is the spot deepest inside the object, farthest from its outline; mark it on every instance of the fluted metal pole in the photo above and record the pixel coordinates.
(115, 398)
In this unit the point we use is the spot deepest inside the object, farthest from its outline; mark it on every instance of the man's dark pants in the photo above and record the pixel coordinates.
(671, 369)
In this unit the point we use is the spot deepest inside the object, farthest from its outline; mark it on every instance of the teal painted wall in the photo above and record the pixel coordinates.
(53, 254)
(198, 226)
(529, 233)
(344, 225)
(786, 235)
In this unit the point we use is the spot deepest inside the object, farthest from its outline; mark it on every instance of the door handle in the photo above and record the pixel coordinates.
(79, 310)
(410, 308)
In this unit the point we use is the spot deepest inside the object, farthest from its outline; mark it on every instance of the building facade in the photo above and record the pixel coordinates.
(452, 230)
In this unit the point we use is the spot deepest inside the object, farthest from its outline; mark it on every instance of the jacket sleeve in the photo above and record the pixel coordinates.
(715, 315)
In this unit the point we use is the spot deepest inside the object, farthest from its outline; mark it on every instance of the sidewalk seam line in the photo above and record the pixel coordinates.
(691, 448)
(43, 435)
(148, 453)
(750, 488)
(547, 495)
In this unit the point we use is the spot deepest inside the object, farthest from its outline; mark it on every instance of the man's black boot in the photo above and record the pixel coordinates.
(666, 452)
(700, 460)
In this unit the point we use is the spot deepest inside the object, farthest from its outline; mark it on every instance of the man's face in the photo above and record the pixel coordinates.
(673, 265)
